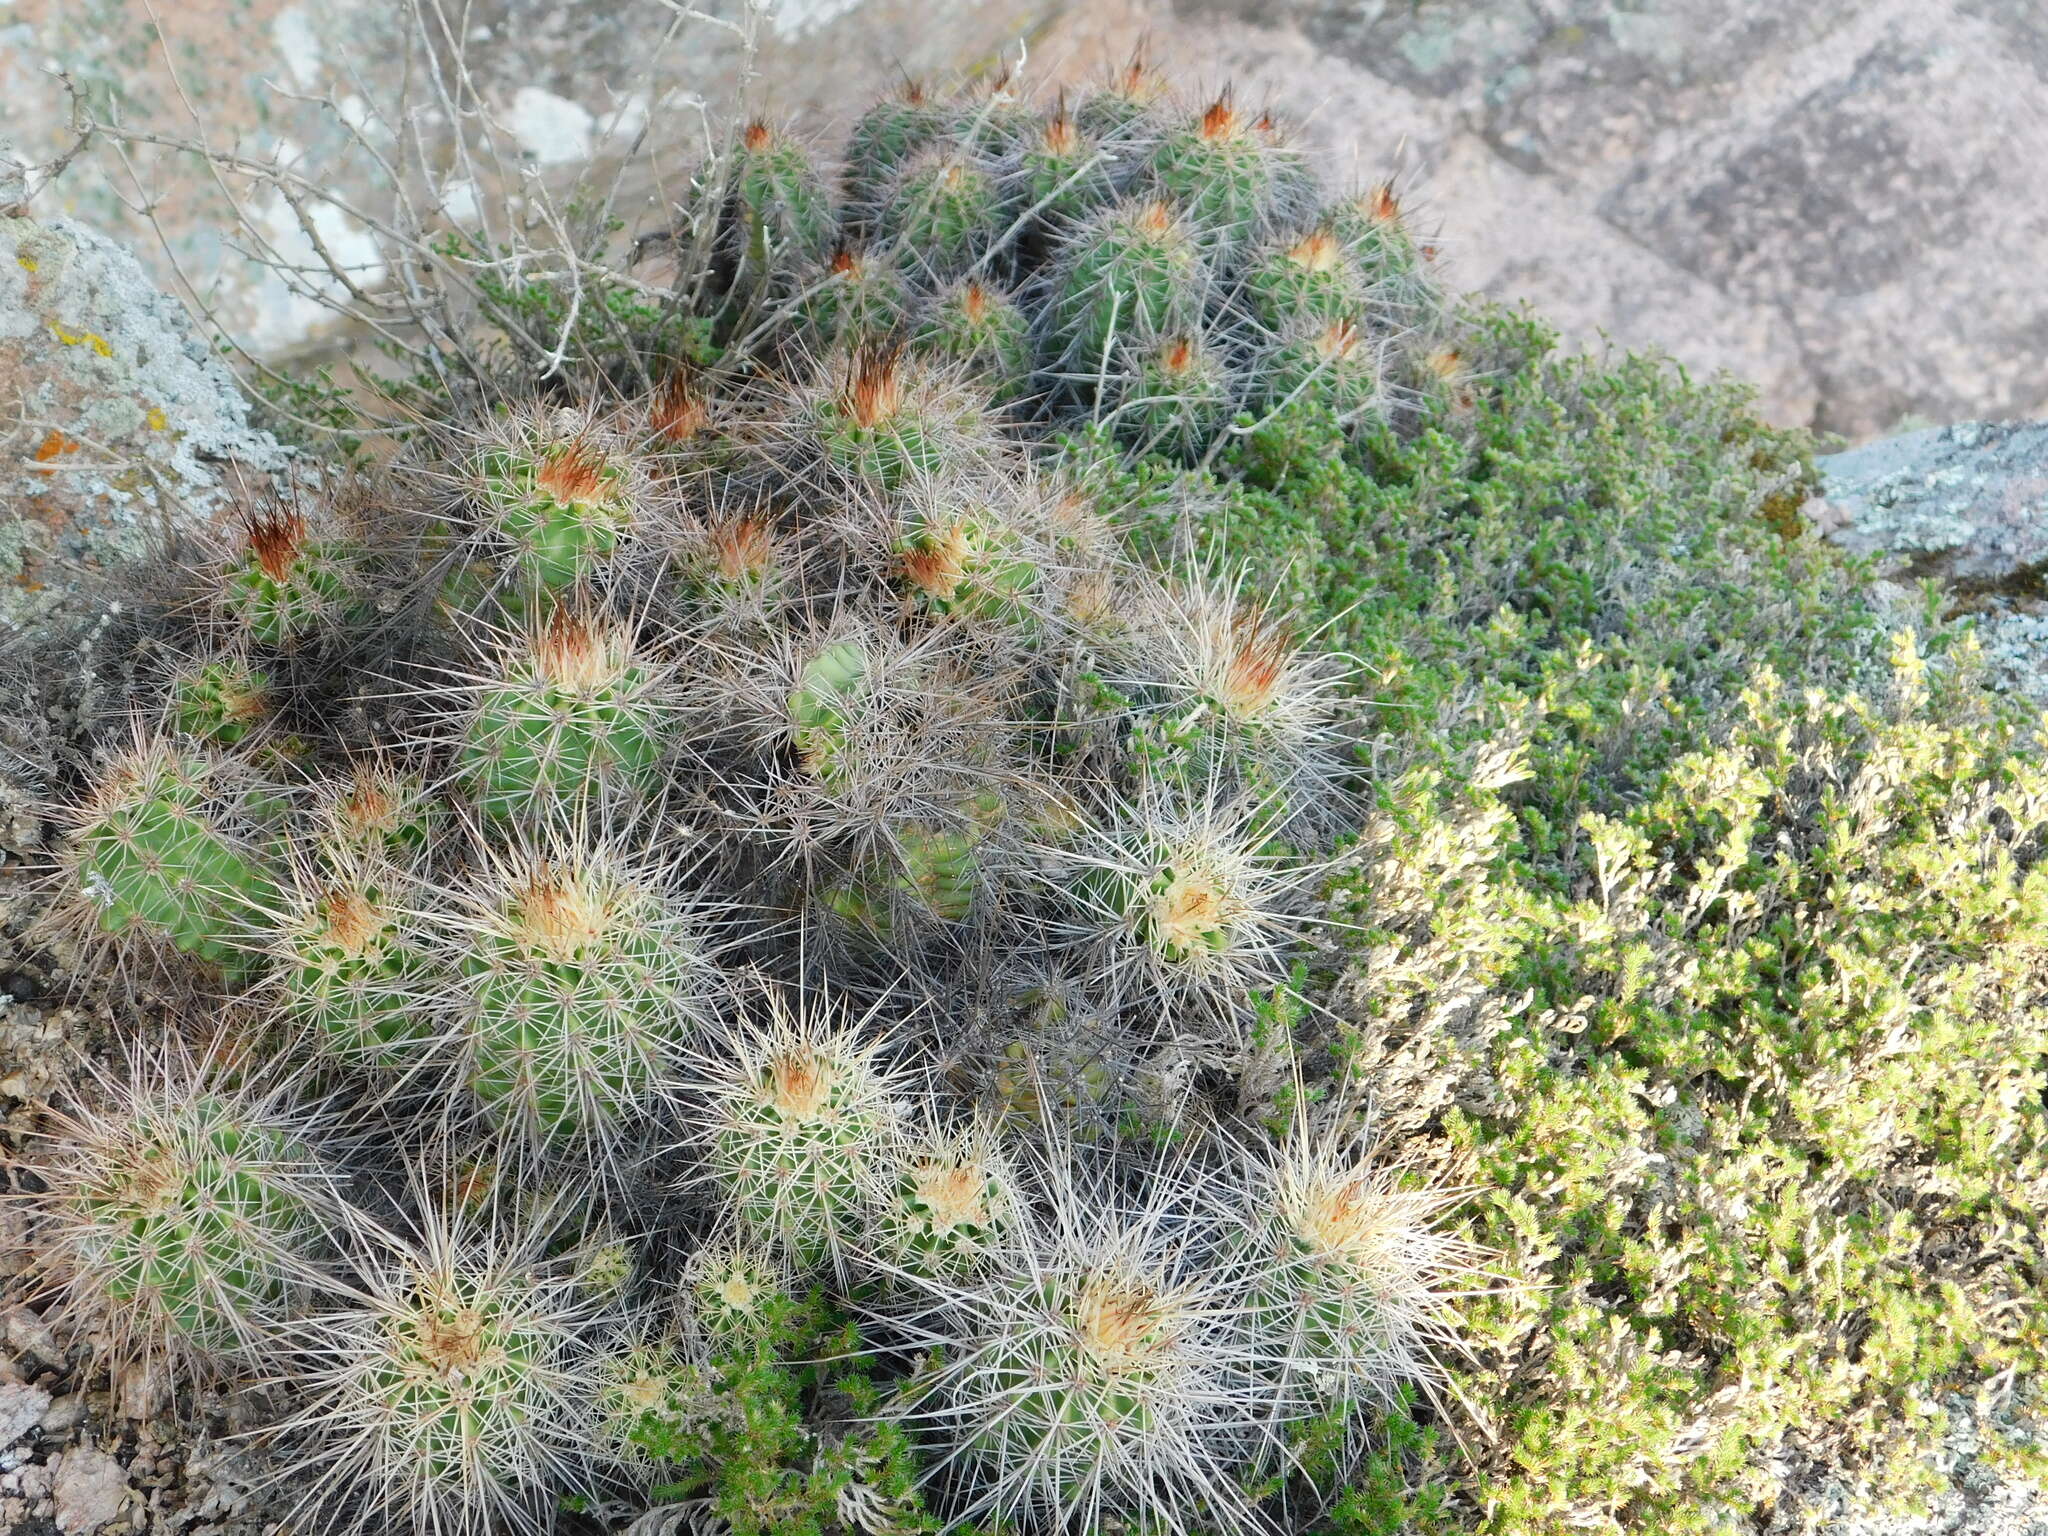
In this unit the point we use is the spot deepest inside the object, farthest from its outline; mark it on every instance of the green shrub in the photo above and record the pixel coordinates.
(1749, 1080)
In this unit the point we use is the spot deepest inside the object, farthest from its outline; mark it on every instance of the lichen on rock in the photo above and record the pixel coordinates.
(116, 416)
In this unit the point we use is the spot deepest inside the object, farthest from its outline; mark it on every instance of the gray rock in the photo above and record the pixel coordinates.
(91, 1491)
(1965, 505)
(112, 413)
(21, 1409)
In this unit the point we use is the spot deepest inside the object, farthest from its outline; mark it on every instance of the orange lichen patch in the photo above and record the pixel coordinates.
(758, 136)
(274, 539)
(576, 476)
(53, 447)
(874, 389)
(678, 411)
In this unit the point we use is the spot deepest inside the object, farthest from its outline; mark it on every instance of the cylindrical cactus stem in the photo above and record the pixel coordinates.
(352, 968)
(1383, 248)
(994, 116)
(165, 847)
(455, 1393)
(1099, 1366)
(782, 213)
(1353, 1277)
(378, 812)
(879, 418)
(1331, 363)
(562, 503)
(947, 1203)
(977, 325)
(221, 701)
(181, 1216)
(288, 581)
(886, 136)
(582, 987)
(944, 213)
(1231, 174)
(1133, 270)
(1048, 1050)
(736, 563)
(1187, 905)
(653, 1402)
(931, 872)
(1172, 395)
(733, 1289)
(1126, 105)
(856, 298)
(829, 683)
(1442, 380)
(574, 712)
(957, 554)
(1060, 173)
(1228, 700)
(801, 1114)
(1304, 277)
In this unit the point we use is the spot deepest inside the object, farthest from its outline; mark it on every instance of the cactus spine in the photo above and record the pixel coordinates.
(157, 851)
(184, 1214)
(582, 993)
(574, 711)
(802, 1120)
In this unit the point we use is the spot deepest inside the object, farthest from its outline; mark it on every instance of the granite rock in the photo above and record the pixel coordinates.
(1966, 506)
(113, 414)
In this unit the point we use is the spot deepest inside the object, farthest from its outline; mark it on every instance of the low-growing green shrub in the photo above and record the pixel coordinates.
(1749, 1084)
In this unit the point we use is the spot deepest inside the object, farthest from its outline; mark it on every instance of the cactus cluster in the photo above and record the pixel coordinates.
(777, 818)
(1127, 257)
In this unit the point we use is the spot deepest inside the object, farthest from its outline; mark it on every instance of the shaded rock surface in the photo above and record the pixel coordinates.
(1967, 506)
